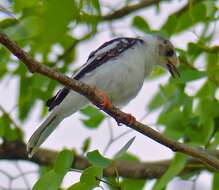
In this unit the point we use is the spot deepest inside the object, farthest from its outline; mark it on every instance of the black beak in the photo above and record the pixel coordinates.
(173, 70)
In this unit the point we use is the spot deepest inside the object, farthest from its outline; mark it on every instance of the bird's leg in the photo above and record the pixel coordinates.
(130, 119)
(105, 99)
(106, 103)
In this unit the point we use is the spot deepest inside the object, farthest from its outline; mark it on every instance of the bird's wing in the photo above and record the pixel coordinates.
(101, 55)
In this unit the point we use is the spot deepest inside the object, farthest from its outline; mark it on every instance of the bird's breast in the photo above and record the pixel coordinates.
(120, 78)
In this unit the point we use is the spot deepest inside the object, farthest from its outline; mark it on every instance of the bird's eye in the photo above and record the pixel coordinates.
(169, 53)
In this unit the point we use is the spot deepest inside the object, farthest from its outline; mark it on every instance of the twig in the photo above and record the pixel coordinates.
(22, 175)
(117, 114)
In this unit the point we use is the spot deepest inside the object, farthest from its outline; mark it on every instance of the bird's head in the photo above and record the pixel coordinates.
(167, 56)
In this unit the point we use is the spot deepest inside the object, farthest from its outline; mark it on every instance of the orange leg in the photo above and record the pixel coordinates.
(130, 119)
(106, 101)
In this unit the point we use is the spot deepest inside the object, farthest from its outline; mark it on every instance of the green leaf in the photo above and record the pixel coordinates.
(95, 117)
(132, 184)
(175, 168)
(25, 29)
(90, 176)
(49, 181)
(96, 5)
(21, 4)
(98, 160)
(140, 23)
(210, 8)
(174, 120)
(81, 186)
(63, 162)
(57, 16)
(162, 97)
(207, 109)
(190, 75)
(185, 20)
(124, 148)
(25, 99)
(129, 157)
(86, 145)
(53, 179)
(215, 184)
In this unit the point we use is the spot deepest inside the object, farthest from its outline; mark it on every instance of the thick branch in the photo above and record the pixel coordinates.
(138, 170)
(114, 112)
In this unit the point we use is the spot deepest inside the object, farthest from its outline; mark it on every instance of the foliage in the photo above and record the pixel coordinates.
(43, 26)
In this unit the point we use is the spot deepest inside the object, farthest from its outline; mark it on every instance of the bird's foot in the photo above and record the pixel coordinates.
(130, 120)
(105, 99)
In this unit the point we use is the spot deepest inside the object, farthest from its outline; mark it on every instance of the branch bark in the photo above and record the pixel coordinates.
(124, 11)
(136, 170)
(129, 9)
(114, 112)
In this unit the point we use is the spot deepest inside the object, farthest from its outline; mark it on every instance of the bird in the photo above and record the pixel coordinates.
(117, 69)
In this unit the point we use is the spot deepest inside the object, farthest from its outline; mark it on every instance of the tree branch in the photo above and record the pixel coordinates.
(137, 170)
(124, 11)
(114, 112)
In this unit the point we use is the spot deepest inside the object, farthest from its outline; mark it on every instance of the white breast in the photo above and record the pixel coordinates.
(121, 78)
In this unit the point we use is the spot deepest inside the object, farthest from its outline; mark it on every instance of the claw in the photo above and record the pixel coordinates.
(129, 120)
(106, 101)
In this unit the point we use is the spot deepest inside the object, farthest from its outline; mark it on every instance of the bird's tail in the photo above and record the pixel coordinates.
(42, 133)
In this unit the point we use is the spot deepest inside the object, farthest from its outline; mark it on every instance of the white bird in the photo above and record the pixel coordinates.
(117, 68)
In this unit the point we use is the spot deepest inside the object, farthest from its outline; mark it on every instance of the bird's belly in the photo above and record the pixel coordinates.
(121, 81)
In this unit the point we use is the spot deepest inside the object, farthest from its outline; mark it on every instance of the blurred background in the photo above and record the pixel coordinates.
(61, 34)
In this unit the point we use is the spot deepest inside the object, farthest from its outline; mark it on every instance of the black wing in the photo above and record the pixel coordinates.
(101, 55)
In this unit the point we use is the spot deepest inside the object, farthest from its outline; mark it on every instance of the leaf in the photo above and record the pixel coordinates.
(174, 120)
(207, 109)
(56, 17)
(190, 75)
(162, 97)
(215, 184)
(175, 168)
(132, 184)
(95, 117)
(25, 29)
(63, 162)
(25, 99)
(21, 4)
(210, 8)
(96, 5)
(98, 160)
(86, 145)
(53, 179)
(80, 186)
(90, 175)
(124, 148)
(178, 23)
(140, 23)
(129, 157)
(49, 181)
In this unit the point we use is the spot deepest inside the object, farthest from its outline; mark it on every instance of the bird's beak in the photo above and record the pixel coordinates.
(171, 66)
